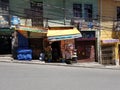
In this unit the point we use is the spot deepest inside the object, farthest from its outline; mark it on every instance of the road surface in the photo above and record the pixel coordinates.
(14, 76)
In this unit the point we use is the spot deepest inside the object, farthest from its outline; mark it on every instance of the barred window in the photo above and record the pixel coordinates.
(88, 11)
(77, 10)
(118, 13)
(4, 7)
(37, 13)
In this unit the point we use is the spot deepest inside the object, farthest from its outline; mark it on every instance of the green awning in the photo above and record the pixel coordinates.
(5, 31)
(32, 29)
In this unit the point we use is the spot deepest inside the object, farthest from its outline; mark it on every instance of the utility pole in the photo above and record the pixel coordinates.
(64, 10)
(99, 35)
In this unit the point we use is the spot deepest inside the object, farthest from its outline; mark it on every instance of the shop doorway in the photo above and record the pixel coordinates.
(5, 44)
(36, 44)
(108, 54)
(56, 51)
(86, 51)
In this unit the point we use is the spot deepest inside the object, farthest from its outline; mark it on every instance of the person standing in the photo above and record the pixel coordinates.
(55, 55)
(14, 45)
(48, 53)
(68, 57)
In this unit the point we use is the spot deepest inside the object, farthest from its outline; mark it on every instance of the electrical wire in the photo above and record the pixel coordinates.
(51, 15)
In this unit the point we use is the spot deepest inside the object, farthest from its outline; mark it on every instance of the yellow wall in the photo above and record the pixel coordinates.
(106, 34)
(108, 10)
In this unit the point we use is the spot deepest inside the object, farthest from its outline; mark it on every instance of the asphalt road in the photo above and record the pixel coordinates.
(14, 76)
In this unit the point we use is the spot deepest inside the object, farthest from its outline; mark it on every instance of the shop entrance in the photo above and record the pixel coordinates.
(86, 51)
(108, 54)
(5, 44)
(36, 44)
(56, 51)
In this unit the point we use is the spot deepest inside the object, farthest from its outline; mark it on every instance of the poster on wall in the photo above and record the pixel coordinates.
(4, 21)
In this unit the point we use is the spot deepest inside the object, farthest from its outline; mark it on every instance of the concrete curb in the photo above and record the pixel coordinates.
(63, 64)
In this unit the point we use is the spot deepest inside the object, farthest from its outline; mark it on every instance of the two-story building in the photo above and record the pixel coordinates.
(109, 11)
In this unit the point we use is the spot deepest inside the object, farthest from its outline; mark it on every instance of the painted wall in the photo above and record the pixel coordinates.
(56, 6)
(17, 7)
(58, 13)
(53, 9)
(108, 11)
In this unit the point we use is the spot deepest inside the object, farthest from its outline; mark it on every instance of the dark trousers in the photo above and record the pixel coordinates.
(14, 52)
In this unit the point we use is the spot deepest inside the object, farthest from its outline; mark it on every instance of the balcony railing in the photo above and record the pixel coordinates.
(83, 24)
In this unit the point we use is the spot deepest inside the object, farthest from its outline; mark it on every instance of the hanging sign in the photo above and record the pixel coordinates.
(15, 20)
(110, 41)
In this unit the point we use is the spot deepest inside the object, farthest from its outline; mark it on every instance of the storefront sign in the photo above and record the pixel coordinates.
(88, 34)
(110, 41)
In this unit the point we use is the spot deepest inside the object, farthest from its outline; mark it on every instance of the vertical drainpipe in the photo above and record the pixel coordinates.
(99, 35)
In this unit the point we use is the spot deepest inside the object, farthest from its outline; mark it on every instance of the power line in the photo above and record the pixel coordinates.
(53, 14)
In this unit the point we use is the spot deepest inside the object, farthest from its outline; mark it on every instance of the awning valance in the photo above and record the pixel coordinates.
(6, 31)
(63, 34)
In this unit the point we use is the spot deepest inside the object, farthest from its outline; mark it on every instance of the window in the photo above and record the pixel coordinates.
(118, 13)
(4, 13)
(88, 11)
(4, 7)
(37, 13)
(77, 10)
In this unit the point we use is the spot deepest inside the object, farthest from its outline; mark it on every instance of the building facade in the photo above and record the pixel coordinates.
(109, 33)
(37, 17)
(42, 14)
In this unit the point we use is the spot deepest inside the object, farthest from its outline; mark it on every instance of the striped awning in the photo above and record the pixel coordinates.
(63, 34)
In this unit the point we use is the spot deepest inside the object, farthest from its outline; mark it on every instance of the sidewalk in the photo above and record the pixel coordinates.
(38, 62)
